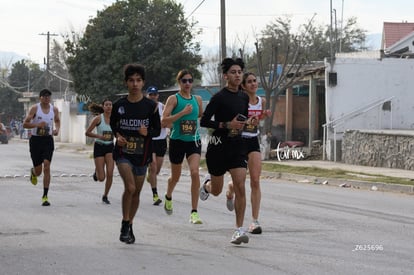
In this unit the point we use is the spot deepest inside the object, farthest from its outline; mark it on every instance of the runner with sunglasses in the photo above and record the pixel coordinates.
(182, 111)
(43, 118)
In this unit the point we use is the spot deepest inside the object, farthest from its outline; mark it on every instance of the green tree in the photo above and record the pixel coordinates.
(351, 38)
(23, 74)
(318, 40)
(26, 76)
(10, 107)
(154, 33)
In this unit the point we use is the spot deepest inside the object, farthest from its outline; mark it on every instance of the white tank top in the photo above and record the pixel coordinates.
(254, 110)
(163, 133)
(48, 118)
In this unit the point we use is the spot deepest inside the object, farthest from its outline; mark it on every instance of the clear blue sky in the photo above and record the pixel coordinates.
(22, 21)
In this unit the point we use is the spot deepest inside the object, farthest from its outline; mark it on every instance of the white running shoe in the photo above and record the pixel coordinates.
(230, 204)
(239, 236)
(255, 228)
(203, 192)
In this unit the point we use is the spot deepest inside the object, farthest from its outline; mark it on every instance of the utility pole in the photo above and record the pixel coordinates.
(330, 38)
(48, 34)
(342, 21)
(223, 34)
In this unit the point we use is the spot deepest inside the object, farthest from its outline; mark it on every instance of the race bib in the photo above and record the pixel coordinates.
(108, 135)
(234, 132)
(249, 128)
(134, 146)
(43, 131)
(188, 127)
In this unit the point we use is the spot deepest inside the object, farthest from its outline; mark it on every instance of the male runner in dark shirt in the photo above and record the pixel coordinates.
(134, 121)
(226, 150)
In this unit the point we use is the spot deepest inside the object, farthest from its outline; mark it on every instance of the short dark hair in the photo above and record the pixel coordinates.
(131, 69)
(45, 92)
(228, 62)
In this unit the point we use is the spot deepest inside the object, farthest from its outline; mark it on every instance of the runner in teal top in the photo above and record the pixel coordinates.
(182, 111)
(186, 127)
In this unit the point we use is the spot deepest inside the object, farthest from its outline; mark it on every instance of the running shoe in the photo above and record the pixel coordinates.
(125, 236)
(45, 201)
(230, 204)
(195, 219)
(203, 192)
(255, 228)
(156, 199)
(239, 236)
(131, 236)
(95, 178)
(33, 177)
(168, 206)
(105, 200)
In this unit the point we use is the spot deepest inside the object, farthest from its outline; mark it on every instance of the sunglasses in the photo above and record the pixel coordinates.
(185, 80)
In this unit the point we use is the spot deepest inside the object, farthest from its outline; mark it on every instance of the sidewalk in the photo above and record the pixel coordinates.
(357, 169)
(390, 172)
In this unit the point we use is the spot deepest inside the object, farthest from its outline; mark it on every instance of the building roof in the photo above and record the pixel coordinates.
(394, 32)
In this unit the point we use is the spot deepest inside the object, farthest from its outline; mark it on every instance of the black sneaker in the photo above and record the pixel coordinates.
(131, 236)
(95, 178)
(125, 237)
(156, 200)
(105, 200)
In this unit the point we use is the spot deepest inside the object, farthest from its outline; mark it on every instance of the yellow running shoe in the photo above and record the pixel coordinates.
(45, 201)
(33, 177)
(195, 219)
(168, 206)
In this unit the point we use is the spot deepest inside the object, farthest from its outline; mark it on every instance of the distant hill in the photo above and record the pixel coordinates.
(373, 41)
(7, 58)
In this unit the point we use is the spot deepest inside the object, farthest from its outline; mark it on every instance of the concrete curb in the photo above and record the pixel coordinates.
(342, 183)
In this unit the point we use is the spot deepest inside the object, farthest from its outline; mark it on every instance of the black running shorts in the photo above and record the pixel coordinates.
(179, 148)
(41, 148)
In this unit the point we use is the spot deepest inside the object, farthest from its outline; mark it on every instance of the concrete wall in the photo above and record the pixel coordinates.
(73, 126)
(363, 81)
(383, 148)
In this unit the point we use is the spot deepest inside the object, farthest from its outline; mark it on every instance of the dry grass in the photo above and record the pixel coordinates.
(333, 173)
(328, 173)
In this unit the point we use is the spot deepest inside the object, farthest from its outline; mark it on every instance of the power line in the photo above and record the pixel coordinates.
(10, 87)
(14, 89)
(195, 9)
(60, 77)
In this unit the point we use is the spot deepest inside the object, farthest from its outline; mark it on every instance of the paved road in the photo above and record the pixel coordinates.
(308, 229)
